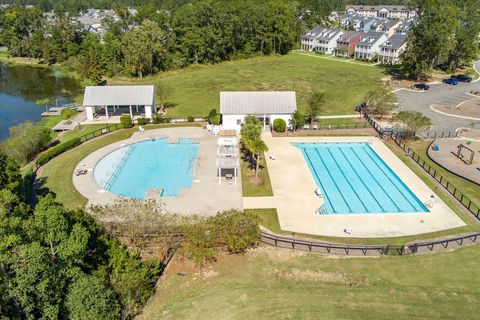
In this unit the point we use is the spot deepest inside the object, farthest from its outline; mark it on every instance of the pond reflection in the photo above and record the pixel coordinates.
(21, 87)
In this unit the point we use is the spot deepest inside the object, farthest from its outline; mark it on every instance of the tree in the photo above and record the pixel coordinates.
(257, 147)
(163, 92)
(297, 121)
(315, 104)
(144, 49)
(89, 299)
(10, 176)
(251, 128)
(432, 38)
(412, 121)
(380, 101)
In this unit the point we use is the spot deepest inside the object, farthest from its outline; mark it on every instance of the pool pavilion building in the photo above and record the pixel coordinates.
(118, 100)
(265, 105)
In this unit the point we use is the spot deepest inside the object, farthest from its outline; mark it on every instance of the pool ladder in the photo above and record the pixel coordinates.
(119, 166)
(322, 209)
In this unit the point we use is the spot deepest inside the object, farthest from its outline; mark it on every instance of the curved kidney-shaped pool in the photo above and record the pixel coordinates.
(152, 164)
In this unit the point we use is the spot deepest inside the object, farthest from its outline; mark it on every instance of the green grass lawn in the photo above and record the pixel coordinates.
(269, 283)
(196, 89)
(255, 190)
(58, 172)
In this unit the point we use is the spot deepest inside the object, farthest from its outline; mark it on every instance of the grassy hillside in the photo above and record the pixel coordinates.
(280, 284)
(195, 90)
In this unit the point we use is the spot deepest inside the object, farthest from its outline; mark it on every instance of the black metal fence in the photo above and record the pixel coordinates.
(341, 125)
(398, 138)
(440, 135)
(99, 132)
(369, 250)
(463, 199)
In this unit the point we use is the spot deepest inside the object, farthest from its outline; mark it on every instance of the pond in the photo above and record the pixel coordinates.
(24, 91)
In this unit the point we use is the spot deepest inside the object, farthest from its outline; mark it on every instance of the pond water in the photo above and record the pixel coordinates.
(22, 88)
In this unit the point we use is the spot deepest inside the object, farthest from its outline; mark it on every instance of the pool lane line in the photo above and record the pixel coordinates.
(363, 183)
(330, 175)
(377, 182)
(318, 178)
(403, 195)
(343, 174)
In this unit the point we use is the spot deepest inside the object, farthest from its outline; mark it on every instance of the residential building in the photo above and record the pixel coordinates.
(351, 21)
(265, 105)
(384, 25)
(321, 40)
(347, 42)
(406, 25)
(382, 11)
(369, 45)
(367, 23)
(391, 49)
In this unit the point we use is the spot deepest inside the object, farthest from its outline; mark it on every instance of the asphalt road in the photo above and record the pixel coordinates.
(440, 94)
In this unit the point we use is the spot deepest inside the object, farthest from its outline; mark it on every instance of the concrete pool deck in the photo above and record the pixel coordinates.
(295, 200)
(206, 197)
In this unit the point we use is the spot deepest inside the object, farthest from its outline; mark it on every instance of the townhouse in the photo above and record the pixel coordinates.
(406, 25)
(346, 43)
(369, 45)
(384, 25)
(321, 40)
(391, 49)
(381, 11)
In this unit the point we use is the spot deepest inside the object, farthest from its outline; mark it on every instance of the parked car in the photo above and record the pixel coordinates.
(462, 78)
(450, 81)
(421, 86)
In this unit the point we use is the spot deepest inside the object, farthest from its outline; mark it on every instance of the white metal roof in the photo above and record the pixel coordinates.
(257, 102)
(119, 96)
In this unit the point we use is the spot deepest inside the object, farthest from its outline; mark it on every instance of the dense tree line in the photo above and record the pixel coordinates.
(446, 36)
(58, 264)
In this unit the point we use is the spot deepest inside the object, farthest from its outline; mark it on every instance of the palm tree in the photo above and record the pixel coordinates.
(257, 147)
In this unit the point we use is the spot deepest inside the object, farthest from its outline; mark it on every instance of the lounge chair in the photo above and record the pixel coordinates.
(79, 171)
(318, 192)
(272, 157)
(141, 129)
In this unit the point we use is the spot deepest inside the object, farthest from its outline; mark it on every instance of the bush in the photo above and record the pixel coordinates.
(279, 125)
(126, 121)
(297, 121)
(68, 113)
(215, 120)
(157, 118)
(61, 148)
(190, 119)
(25, 141)
(143, 121)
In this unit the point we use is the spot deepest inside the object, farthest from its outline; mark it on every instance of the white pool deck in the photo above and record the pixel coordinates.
(206, 197)
(295, 200)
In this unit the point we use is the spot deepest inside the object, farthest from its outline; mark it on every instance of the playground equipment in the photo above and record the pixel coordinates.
(465, 154)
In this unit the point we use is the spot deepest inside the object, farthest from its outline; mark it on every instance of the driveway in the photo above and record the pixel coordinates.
(444, 94)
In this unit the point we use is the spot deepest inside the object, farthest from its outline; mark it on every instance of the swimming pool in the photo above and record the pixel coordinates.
(354, 179)
(152, 164)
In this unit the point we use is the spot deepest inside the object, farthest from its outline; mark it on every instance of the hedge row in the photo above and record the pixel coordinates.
(61, 148)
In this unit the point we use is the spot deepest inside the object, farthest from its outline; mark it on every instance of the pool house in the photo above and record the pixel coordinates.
(265, 105)
(109, 101)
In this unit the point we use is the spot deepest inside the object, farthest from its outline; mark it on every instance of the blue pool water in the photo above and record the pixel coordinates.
(131, 170)
(354, 179)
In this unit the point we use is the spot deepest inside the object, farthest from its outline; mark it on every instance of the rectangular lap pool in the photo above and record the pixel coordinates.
(354, 179)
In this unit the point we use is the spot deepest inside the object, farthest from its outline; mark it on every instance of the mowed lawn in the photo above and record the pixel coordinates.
(195, 90)
(269, 283)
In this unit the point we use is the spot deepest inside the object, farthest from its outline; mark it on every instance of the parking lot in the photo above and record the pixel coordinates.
(443, 94)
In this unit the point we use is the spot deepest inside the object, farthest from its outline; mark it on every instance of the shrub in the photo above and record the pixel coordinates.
(143, 121)
(190, 119)
(126, 121)
(158, 118)
(68, 113)
(215, 120)
(297, 121)
(279, 125)
(26, 140)
(61, 148)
